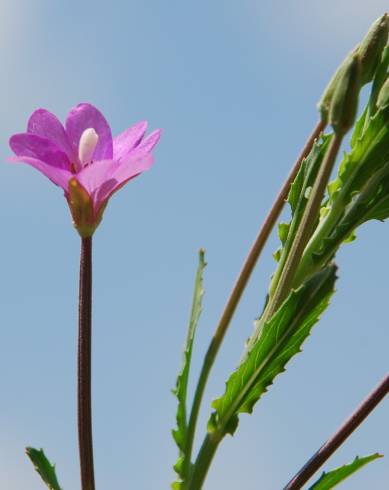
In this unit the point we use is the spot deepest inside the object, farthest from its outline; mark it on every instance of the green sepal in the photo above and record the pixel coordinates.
(329, 480)
(43, 466)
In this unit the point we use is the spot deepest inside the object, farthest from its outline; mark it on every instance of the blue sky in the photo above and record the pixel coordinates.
(234, 86)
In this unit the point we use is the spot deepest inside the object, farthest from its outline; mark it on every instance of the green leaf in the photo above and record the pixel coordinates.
(358, 194)
(378, 206)
(379, 79)
(283, 230)
(329, 480)
(369, 152)
(297, 199)
(301, 187)
(372, 202)
(43, 466)
(180, 433)
(359, 126)
(280, 339)
(306, 176)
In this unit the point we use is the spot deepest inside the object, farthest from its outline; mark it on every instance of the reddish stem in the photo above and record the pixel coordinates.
(84, 366)
(329, 447)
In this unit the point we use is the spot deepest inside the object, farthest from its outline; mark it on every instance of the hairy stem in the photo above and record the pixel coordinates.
(84, 366)
(329, 447)
(238, 289)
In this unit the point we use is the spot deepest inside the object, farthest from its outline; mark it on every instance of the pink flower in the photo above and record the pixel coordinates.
(84, 159)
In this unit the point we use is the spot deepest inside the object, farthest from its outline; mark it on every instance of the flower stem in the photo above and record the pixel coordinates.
(332, 444)
(84, 366)
(238, 289)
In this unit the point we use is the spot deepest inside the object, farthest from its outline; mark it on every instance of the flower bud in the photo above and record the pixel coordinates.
(371, 47)
(383, 95)
(344, 103)
(325, 101)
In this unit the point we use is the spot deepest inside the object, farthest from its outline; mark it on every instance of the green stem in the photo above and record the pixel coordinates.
(84, 366)
(304, 231)
(237, 292)
(204, 460)
(307, 267)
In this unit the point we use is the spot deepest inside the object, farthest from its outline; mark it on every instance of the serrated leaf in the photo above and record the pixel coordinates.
(281, 338)
(379, 78)
(283, 230)
(350, 238)
(297, 199)
(43, 466)
(180, 433)
(306, 175)
(358, 194)
(359, 127)
(277, 254)
(372, 202)
(369, 152)
(329, 480)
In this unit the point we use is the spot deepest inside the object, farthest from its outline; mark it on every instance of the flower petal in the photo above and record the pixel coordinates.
(33, 146)
(128, 140)
(57, 175)
(93, 176)
(85, 116)
(44, 123)
(139, 160)
(147, 144)
(132, 166)
(101, 179)
(119, 177)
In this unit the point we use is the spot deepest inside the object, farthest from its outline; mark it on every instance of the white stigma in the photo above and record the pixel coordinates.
(87, 145)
